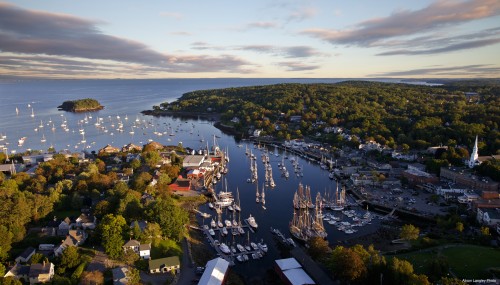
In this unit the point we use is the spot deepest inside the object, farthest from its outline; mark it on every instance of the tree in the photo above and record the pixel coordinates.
(171, 218)
(112, 229)
(485, 231)
(92, 278)
(136, 231)
(409, 232)
(318, 248)
(69, 259)
(346, 264)
(152, 231)
(10, 281)
(459, 226)
(130, 256)
(133, 276)
(5, 242)
(37, 258)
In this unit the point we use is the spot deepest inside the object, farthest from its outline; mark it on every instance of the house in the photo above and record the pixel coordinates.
(193, 161)
(109, 149)
(142, 224)
(120, 275)
(74, 238)
(64, 226)
(18, 271)
(256, 133)
(145, 251)
(132, 244)
(488, 216)
(181, 184)
(26, 255)
(167, 264)
(41, 272)
(86, 221)
(215, 272)
(131, 147)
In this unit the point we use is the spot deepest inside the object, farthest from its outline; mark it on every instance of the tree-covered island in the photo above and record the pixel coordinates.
(81, 105)
(400, 116)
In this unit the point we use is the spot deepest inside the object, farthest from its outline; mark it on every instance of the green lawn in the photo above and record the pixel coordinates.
(165, 248)
(472, 261)
(466, 261)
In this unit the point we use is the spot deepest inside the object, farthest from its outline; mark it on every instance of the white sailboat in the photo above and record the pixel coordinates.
(257, 195)
(263, 196)
(17, 111)
(32, 113)
(43, 138)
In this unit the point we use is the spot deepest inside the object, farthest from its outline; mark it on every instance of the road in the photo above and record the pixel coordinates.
(188, 270)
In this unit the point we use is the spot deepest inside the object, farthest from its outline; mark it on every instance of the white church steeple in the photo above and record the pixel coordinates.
(473, 161)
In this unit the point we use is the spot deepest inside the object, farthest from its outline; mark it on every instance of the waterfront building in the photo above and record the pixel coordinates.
(291, 272)
(215, 272)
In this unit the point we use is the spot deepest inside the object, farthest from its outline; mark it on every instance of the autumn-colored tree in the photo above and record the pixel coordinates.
(318, 248)
(347, 265)
(92, 278)
(409, 232)
(459, 226)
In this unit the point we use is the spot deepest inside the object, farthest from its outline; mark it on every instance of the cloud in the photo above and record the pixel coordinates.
(261, 25)
(397, 28)
(181, 33)
(404, 23)
(454, 47)
(288, 52)
(302, 14)
(297, 66)
(478, 70)
(174, 15)
(28, 32)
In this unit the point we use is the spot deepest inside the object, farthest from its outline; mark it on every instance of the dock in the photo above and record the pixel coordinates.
(230, 257)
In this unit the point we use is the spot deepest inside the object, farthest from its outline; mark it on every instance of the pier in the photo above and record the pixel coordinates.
(230, 257)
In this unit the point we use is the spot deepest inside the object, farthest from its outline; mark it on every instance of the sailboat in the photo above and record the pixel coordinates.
(32, 113)
(237, 205)
(257, 195)
(263, 196)
(17, 111)
(83, 138)
(43, 138)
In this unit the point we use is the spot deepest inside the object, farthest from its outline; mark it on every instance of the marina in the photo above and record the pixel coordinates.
(191, 132)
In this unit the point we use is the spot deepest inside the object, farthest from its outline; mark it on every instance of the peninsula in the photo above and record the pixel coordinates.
(81, 105)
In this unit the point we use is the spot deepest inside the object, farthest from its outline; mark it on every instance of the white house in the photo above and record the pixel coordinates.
(132, 244)
(85, 221)
(145, 251)
(488, 216)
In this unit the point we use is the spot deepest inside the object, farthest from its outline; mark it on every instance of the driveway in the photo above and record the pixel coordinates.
(99, 261)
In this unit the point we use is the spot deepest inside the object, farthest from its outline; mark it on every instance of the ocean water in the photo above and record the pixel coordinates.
(123, 101)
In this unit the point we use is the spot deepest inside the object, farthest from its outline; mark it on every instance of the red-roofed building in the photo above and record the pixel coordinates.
(181, 184)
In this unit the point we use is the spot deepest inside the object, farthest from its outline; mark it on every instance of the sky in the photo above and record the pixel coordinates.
(250, 39)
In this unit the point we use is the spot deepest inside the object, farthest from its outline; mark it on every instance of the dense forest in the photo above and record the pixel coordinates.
(81, 105)
(391, 114)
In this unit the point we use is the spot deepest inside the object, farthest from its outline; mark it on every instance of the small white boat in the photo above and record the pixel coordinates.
(224, 248)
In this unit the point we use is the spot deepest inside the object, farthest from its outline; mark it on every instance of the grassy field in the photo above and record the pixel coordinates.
(466, 261)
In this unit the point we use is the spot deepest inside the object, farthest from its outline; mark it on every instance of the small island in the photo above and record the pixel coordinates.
(81, 105)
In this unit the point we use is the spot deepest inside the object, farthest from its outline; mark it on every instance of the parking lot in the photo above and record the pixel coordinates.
(417, 201)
